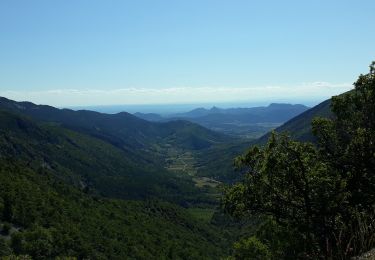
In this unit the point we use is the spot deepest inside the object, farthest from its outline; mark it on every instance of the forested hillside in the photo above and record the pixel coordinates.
(123, 130)
(120, 155)
(88, 162)
(58, 190)
(43, 217)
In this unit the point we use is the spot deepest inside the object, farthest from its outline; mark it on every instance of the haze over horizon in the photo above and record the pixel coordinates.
(86, 53)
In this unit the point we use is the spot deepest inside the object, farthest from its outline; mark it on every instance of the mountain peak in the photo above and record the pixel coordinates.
(215, 109)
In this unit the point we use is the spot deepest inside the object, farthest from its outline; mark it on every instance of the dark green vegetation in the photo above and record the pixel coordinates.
(241, 122)
(50, 218)
(52, 197)
(91, 185)
(218, 162)
(317, 200)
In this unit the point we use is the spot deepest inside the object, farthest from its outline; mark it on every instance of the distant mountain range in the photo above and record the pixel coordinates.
(244, 122)
(299, 127)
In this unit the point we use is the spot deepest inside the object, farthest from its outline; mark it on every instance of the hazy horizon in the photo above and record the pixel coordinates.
(165, 109)
(171, 108)
(307, 93)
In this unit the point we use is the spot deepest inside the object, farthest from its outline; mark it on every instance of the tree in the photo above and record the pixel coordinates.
(286, 180)
(348, 141)
(323, 194)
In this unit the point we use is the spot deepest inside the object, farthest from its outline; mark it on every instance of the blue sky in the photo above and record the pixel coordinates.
(88, 52)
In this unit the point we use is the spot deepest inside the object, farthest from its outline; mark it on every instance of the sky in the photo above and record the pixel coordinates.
(90, 52)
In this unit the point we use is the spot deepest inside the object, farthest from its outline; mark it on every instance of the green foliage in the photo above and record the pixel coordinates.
(281, 241)
(203, 214)
(38, 242)
(287, 181)
(251, 248)
(54, 219)
(323, 196)
(4, 247)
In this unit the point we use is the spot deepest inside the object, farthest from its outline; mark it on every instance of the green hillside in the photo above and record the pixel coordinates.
(122, 156)
(58, 191)
(122, 130)
(299, 127)
(90, 163)
(46, 218)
